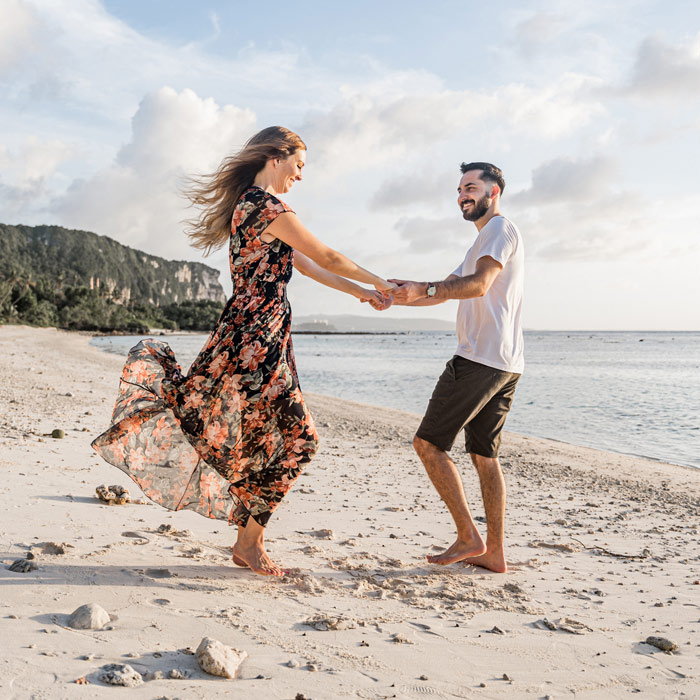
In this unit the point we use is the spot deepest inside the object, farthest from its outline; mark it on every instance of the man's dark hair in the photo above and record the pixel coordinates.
(489, 173)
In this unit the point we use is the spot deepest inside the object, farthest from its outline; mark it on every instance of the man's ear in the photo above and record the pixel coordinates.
(495, 189)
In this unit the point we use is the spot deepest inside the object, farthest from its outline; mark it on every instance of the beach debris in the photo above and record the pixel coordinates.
(120, 674)
(53, 548)
(399, 638)
(167, 529)
(137, 536)
(564, 624)
(662, 643)
(301, 696)
(179, 674)
(323, 534)
(217, 659)
(311, 667)
(495, 630)
(81, 681)
(324, 623)
(114, 495)
(293, 663)
(565, 547)
(24, 566)
(90, 616)
(646, 553)
(58, 434)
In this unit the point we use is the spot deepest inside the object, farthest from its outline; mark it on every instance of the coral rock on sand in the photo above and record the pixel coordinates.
(218, 659)
(120, 674)
(23, 566)
(89, 617)
(114, 495)
(662, 643)
(323, 623)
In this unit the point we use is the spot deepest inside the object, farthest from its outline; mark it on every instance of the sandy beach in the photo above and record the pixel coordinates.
(603, 549)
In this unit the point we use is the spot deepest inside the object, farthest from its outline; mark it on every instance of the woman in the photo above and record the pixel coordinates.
(230, 438)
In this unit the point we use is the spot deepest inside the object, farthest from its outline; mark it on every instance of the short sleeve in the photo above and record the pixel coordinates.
(270, 209)
(499, 241)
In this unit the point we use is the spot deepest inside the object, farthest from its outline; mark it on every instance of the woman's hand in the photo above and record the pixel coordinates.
(377, 300)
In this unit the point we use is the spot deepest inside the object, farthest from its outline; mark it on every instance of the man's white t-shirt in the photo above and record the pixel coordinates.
(489, 328)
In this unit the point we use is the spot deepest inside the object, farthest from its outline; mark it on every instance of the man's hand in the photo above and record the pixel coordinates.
(407, 291)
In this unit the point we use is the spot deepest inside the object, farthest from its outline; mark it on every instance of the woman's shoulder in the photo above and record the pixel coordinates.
(257, 203)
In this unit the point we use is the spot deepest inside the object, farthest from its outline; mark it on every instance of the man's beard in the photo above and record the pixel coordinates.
(478, 210)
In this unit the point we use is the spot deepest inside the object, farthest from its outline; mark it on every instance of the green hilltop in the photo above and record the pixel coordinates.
(53, 276)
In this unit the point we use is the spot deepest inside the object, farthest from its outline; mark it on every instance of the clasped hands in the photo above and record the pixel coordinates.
(397, 292)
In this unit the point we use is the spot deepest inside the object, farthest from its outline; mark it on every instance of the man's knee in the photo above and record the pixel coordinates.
(485, 465)
(422, 446)
(426, 449)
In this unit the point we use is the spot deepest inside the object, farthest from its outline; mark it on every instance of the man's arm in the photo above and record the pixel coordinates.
(427, 301)
(454, 287)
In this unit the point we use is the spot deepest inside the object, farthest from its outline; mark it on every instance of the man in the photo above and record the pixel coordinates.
(476, 389)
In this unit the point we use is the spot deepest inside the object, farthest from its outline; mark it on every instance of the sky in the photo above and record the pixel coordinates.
(592, 111)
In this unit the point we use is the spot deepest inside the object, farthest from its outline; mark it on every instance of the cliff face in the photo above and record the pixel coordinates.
(79, 258)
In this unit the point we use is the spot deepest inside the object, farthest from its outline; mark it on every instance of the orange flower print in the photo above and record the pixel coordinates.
(220, 441)
(216, 368)
(253, 355)
(216, 433)
(276, 387)
(193, 400)
(138, 372)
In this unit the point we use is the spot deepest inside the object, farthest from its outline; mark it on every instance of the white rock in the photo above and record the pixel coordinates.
(89, 617)
(217, 659)
(120, 674)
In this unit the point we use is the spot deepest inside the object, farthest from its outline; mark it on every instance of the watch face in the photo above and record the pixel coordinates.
(431, 290)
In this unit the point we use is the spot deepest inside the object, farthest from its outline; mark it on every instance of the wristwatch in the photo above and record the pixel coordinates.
(430, 291)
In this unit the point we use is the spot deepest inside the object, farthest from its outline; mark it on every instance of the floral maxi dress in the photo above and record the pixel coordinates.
(229, 439)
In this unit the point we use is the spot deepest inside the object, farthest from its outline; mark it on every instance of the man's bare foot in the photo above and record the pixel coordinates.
(494, 561)
(459, 551)
(257, 559)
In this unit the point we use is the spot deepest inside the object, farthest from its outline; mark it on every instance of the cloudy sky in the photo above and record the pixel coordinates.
(591, 109)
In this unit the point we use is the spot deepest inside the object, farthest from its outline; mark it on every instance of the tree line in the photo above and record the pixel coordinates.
(40, 302)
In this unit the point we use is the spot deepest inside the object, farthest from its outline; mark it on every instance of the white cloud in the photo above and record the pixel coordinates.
(664, 69)
(136, 198)
(425, 235)
(17, 26)
(27, 172)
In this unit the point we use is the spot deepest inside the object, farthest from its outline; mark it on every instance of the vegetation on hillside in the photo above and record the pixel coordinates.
(78, 280)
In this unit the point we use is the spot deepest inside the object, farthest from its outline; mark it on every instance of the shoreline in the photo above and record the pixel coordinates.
(602, 546)
(583, 443)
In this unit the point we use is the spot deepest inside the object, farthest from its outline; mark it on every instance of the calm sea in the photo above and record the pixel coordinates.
(631, 392)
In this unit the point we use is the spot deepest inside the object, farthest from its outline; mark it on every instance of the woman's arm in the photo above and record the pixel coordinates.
(289, 229)
(309, 268)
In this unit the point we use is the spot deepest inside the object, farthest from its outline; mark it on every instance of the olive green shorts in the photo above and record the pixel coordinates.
(472, 397)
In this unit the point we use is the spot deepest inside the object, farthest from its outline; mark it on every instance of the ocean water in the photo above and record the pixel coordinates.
(631, 392)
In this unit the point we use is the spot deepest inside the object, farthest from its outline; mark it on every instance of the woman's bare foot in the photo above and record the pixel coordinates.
(494, 561)
(249, 550)
(459, 551)
(257, 559)
(239, 562)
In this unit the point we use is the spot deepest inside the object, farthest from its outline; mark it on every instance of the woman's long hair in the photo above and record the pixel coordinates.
(219, 192)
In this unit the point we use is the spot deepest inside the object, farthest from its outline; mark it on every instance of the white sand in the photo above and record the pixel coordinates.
(407, 629)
